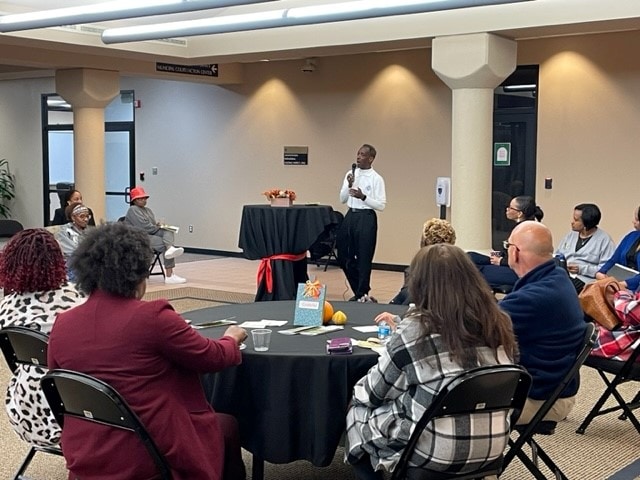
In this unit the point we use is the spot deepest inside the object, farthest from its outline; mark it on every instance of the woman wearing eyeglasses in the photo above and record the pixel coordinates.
(71, 233)
(494, 268)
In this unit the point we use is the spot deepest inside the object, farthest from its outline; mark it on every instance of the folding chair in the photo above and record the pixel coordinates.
(537, 425)
(8, 228)
(82, 396)
(622, 372)
(325, 245)
(483, 390)
(26, 346)
(156, 260)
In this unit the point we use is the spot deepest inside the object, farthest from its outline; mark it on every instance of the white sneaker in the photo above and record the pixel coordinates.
(173, 252)
(174, 280)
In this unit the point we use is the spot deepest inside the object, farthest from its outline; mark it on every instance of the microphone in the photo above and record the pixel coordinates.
(353, 174)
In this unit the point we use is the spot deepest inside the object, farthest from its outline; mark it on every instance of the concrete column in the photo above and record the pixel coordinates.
(89, 92)
(472, 66)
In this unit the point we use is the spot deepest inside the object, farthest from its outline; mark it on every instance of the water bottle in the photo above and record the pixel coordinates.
(384, 331)
(561, 261)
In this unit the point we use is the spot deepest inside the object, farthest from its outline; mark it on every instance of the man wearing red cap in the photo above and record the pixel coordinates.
(142, 217)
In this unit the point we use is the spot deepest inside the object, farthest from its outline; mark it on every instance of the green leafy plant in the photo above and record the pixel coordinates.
(7, 188)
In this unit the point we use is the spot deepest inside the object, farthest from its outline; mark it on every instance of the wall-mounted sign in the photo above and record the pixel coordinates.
(501, 154)
(210, 70)
(296, 155)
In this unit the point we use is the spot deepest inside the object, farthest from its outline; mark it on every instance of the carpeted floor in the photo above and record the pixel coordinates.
(608, 446)
(190, 298)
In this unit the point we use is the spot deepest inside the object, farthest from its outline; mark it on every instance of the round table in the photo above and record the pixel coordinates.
(290, 401)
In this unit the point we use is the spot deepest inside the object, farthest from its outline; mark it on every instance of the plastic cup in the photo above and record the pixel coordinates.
(261, 339)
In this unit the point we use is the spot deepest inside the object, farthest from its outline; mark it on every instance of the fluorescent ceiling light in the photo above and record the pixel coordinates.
(116, 10)
(519, 88)
(334, 12)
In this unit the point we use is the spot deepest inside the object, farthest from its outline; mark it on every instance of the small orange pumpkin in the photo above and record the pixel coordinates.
(327, 313)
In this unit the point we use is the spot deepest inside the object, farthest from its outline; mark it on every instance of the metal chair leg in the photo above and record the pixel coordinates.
(25, 463)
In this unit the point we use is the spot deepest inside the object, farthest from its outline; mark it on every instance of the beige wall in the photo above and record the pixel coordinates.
(232, 149)
(218, 148)
(588, 127)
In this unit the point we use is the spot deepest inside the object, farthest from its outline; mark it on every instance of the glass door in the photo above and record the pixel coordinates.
(58, 154)
(515, 131)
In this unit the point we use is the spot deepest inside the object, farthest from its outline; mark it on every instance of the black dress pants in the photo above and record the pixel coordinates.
(356, 242)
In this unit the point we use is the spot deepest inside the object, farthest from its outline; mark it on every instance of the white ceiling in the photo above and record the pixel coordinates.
(60, 48)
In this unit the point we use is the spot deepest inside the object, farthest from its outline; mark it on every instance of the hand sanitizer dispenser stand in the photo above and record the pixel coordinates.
(443, 195)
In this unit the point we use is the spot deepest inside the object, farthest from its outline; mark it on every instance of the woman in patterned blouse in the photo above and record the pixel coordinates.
(33, 275)
(455, 326)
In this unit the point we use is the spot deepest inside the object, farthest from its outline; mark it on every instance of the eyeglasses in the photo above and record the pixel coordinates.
(509, 207)
(506, 245)
(86, 216)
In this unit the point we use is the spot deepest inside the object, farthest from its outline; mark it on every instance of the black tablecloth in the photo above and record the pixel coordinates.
(266, 231)
(291, 401)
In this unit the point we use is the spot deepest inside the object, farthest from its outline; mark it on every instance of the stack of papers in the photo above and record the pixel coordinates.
(368, 343)
(171, 228)
(263, 323)
(367, 329)
(311, 330)
(213, 323)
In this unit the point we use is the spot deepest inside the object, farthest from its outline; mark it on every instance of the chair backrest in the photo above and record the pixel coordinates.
(85, 397)
(23, 346)
(337, 217)
(63, 189)
(480, 390)
(8, 228)
(590, 336)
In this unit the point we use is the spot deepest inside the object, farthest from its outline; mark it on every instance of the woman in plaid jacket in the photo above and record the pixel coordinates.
(618, 344)
(456, 325)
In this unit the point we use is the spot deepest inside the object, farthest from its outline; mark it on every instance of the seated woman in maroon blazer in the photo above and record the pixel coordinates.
(149, 354)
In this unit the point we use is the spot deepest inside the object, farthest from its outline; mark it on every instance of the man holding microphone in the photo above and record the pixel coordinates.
(363, 191)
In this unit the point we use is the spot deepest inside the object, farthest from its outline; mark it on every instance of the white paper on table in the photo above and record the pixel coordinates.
(367, 329)
(320, 330)
(273, 323)
(263, 323)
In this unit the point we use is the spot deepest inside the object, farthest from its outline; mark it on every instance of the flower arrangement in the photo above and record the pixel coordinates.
(277, 193)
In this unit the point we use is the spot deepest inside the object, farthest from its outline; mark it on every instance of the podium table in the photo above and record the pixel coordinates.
(280, 237)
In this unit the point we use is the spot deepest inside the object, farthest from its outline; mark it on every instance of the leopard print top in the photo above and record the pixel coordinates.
(28, 411)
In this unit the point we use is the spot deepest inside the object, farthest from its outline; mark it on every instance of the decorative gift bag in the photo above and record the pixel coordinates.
(596, 300)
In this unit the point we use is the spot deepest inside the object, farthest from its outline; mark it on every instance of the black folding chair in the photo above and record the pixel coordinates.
(325, 245)
(537, 424)
(82, 396)
(492, 389)
(156, 260)
(622, 372)
(8, 228)
(26, 346)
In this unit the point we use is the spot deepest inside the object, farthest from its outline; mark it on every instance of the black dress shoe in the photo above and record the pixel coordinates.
(353, 299)
(546, 427)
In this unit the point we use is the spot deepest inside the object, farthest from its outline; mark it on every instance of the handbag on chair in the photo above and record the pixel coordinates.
(596, 300)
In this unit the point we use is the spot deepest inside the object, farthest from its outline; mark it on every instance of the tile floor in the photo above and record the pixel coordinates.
(239, 275)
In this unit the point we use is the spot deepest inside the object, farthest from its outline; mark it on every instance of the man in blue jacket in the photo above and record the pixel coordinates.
(547, 318)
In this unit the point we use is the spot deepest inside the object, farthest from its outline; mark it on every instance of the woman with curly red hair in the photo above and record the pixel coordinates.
(33, 275)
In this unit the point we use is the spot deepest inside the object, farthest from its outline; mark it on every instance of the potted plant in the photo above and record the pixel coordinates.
(7, 188)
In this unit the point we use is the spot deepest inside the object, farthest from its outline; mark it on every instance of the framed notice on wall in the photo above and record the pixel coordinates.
(296, 155)
(501, 154)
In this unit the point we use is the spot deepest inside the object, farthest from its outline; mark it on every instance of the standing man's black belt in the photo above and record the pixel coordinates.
(361, 210)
